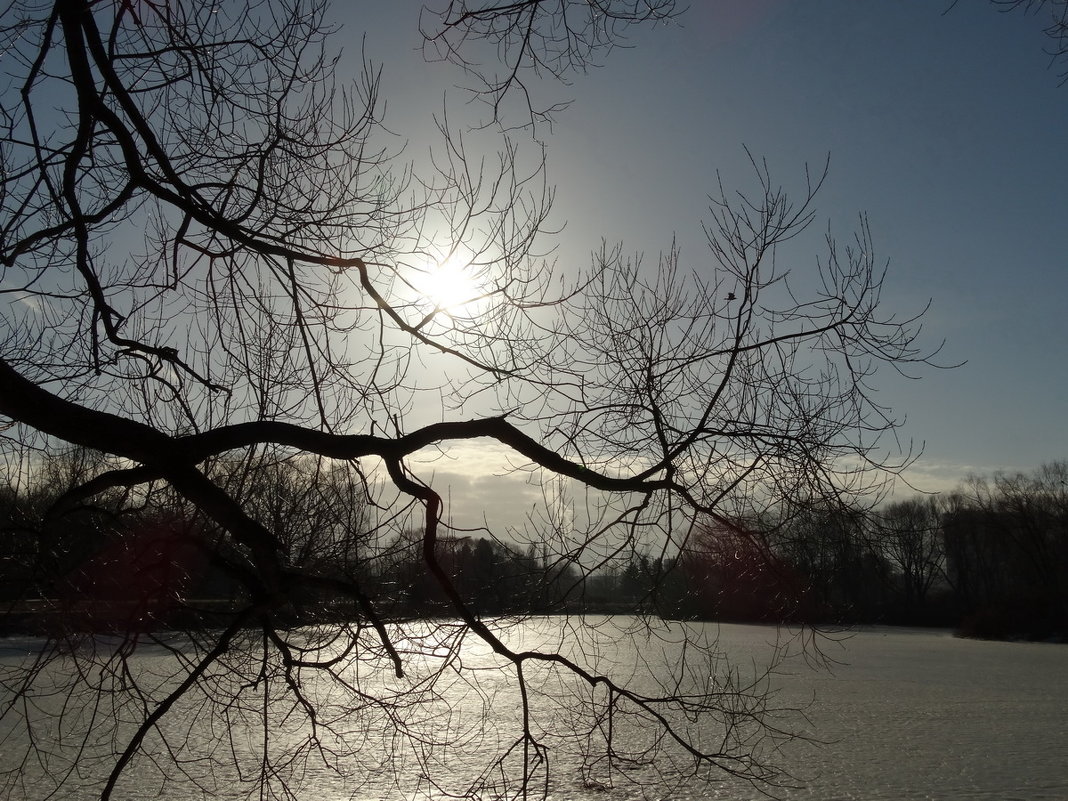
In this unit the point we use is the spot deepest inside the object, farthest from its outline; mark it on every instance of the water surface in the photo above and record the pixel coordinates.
(887, 714)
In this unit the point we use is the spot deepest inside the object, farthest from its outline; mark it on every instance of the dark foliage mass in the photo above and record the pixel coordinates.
(990, 559)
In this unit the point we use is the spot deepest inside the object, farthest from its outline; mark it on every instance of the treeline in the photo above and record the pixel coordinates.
(126, 560)
(135, 558)
(990, 559)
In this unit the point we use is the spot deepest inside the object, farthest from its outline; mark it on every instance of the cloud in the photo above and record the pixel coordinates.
(482, 484)
(946, 476)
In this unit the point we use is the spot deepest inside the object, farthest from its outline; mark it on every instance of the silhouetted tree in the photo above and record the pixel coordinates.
(211, 254)
(830, 545)
(910, 535)
(46, 549)
(1006, 546)
(733, 574)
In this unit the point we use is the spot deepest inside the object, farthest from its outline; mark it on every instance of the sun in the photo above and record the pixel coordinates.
(451, 286)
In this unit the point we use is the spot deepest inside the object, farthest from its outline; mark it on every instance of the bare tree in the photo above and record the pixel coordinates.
(1055, 13)
(1007, 552)
(910, 534)
(532, 39)
(828, 541)
(207, 253)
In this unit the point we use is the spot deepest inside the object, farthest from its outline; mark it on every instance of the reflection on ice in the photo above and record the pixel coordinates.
(900, 713)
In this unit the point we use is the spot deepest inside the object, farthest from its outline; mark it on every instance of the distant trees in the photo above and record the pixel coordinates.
(140, 562)
(46, 549)
(493, 578)
(910, 536)
(730, 573)
(990, 559)
(828, 544)
(156, 553)
(1006, 542)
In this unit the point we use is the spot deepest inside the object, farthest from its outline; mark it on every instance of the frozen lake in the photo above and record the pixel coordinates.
(912, 714)
(901, 714)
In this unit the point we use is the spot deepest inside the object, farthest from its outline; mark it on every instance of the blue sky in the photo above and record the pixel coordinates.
(947, 129)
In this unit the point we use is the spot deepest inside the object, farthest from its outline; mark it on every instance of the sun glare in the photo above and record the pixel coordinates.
(450, 286)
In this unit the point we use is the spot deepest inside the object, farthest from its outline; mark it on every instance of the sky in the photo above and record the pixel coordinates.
(947, 127)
